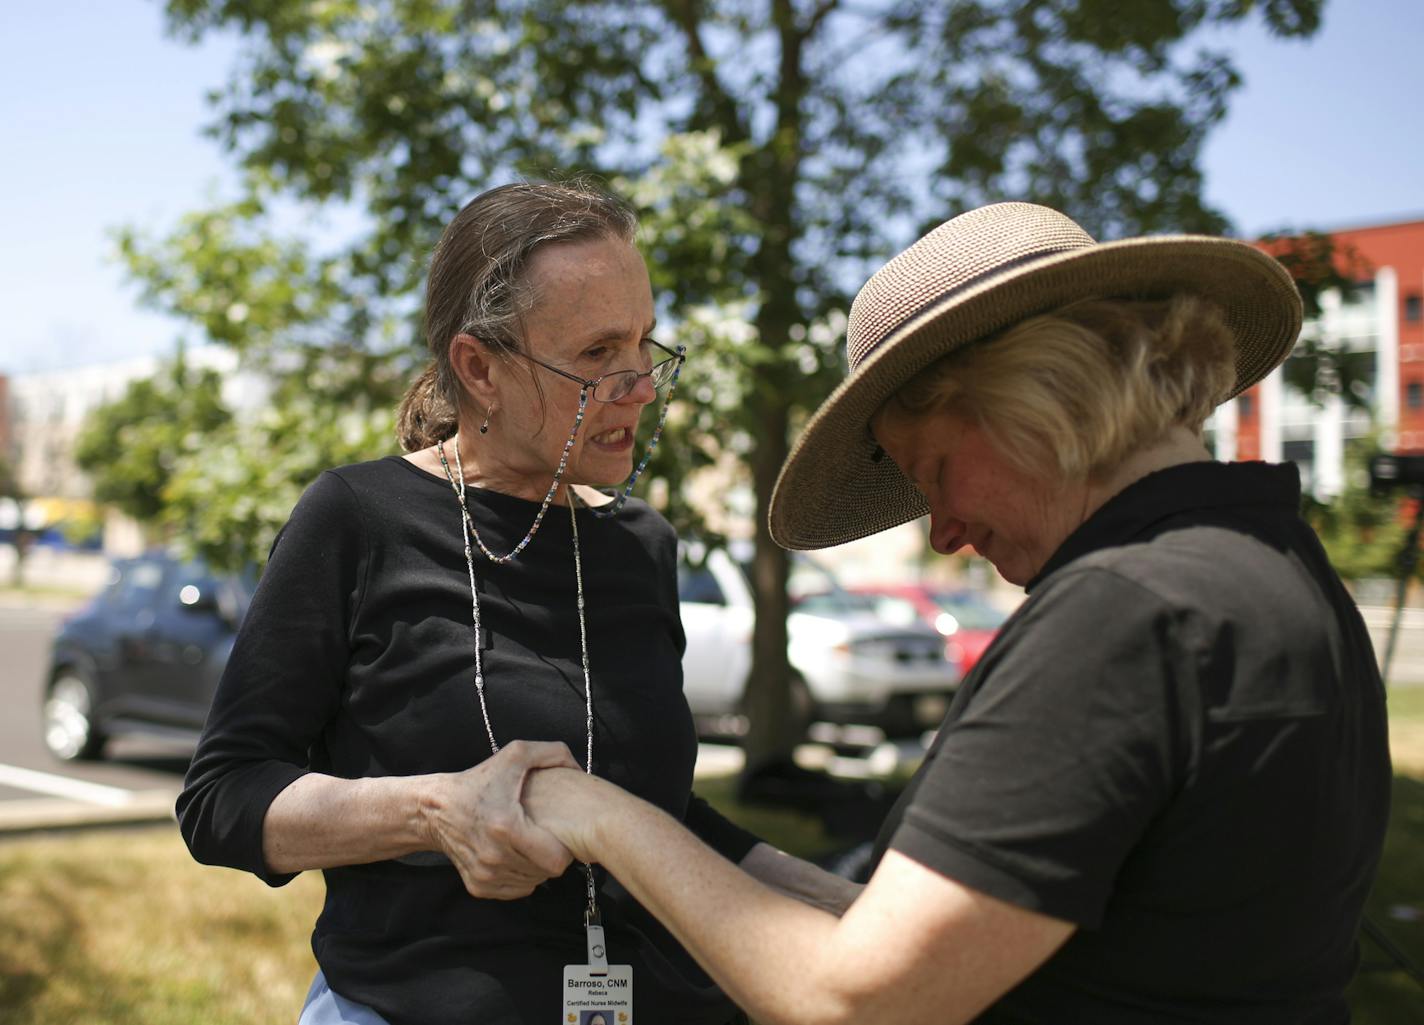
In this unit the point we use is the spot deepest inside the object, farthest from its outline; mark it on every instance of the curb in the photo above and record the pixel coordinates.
(23, 601)
(53, 813)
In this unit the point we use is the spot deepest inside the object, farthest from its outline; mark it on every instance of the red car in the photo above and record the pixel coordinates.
(965, 620)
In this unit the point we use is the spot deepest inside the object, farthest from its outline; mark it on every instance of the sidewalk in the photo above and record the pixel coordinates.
(51, 578)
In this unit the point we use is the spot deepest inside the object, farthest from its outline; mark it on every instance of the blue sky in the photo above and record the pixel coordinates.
(101, 117)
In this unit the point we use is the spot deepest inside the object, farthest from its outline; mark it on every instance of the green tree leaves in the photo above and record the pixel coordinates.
(1320, 366)
(778, 149)
(1362, 532)
(131, 447)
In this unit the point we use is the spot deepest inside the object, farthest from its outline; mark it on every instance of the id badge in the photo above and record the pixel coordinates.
(598, 993)
(598, 997)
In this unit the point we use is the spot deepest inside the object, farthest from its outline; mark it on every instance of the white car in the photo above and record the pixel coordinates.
(850, 665)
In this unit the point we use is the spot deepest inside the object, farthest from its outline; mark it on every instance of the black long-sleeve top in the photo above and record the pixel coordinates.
(356, 660)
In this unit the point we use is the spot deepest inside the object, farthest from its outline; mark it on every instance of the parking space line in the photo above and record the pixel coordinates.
(64, 786)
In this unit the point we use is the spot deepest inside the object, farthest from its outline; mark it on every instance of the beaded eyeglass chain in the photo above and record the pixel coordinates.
(469, 531)
(603, 512)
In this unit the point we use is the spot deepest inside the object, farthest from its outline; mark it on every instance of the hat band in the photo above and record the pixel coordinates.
(945, 297)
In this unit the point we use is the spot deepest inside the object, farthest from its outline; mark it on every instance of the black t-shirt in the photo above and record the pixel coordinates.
(356, 659)
(1178, 743)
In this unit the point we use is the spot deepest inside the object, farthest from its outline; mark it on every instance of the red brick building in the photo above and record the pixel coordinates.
(1384, 322)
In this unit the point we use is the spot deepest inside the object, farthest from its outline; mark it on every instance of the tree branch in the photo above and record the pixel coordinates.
(819, 15)
(719, 105)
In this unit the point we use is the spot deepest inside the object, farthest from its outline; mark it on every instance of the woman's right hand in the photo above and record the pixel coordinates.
(475, 818)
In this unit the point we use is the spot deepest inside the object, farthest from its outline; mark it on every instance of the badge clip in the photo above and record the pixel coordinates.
(597, 949)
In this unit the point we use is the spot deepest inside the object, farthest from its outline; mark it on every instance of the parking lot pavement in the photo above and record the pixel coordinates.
(138, 783)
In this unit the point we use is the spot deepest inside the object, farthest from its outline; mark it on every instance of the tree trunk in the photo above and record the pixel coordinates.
(775, 169)
(773, 732)
(22, 549)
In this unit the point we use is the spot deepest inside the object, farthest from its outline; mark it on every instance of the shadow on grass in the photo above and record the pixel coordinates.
(1383, 994)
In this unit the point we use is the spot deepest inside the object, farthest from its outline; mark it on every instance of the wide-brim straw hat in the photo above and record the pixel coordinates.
(968, 279)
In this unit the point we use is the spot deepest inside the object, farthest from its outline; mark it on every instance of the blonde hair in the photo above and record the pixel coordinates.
(1074, 392)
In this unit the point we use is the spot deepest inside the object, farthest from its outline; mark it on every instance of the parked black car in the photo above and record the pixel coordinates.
(144, 656)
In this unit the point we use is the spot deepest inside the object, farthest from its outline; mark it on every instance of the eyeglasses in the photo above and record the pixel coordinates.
(616, 385)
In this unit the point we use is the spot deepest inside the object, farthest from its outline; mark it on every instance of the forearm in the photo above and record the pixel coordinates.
(776, 955)
(324, 821)
(915, 944)
(800, 879)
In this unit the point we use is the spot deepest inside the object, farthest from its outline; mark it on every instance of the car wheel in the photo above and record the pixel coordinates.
(70, 732)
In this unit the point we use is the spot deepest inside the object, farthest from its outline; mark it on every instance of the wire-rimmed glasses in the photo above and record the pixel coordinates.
(618, 384)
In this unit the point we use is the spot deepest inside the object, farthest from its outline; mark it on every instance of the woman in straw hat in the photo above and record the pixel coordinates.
(1161, 794)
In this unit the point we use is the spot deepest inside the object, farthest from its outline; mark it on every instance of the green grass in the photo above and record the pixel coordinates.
(1406, 703)
(797, 832)
(1406, 729)
(1381, 994)
(123, 928)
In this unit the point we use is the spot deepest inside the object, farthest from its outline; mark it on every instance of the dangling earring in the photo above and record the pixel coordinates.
(484, 427)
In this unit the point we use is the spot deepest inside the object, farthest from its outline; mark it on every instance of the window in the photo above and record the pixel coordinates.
(1414, 395)
(1360, 293)
(972, 611)
(1414, 307)
(895, 610)
(1302, 453)
(137, 584)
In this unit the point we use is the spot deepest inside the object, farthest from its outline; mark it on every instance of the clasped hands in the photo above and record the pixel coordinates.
(514, 820)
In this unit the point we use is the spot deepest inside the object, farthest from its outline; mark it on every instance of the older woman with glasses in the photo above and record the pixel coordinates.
(1161, 794)
(431, 627)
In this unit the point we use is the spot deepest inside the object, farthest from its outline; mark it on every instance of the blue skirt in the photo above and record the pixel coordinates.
(323, 1007)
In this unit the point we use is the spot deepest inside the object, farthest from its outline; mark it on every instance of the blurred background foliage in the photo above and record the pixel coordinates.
(778, 151)
(1363, 532)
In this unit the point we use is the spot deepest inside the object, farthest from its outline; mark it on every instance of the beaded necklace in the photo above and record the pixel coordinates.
(457, 482)
(544, 506)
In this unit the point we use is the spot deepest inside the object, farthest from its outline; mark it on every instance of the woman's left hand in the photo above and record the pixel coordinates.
(571, 804)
